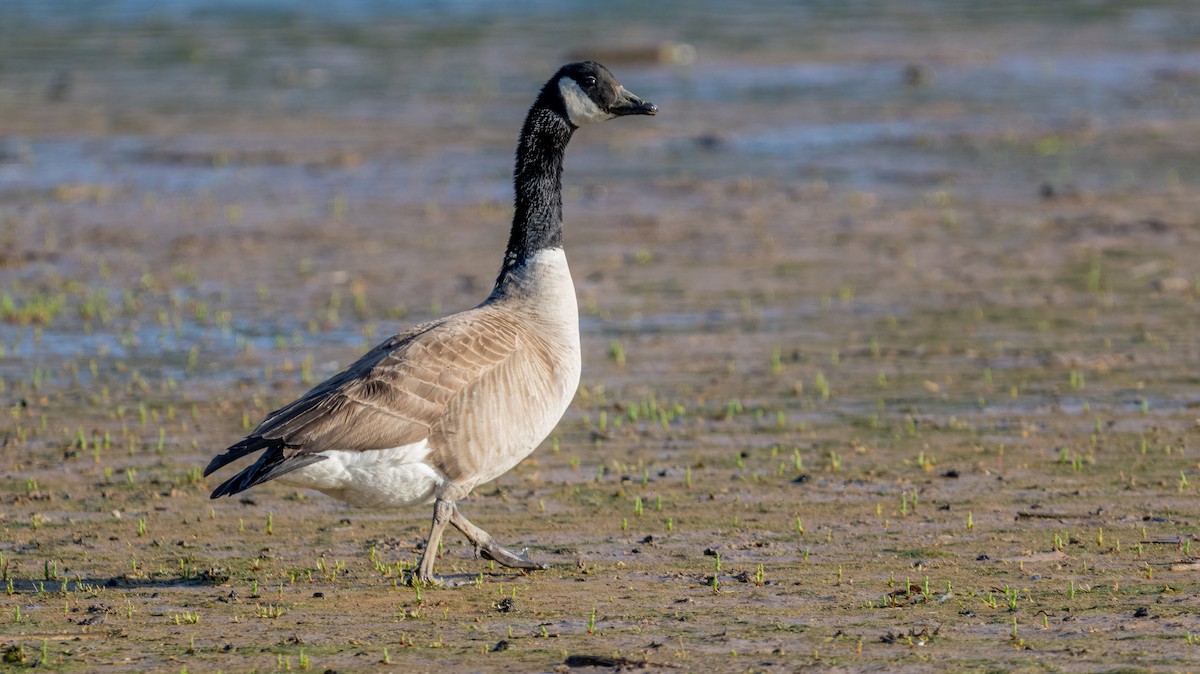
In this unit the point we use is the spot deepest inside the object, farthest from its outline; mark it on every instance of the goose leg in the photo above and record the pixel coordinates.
(487, 548)
(443, 511)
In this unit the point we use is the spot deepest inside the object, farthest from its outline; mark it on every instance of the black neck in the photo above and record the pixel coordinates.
(537, 179)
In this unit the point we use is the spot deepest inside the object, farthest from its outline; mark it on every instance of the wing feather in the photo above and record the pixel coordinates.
(394, 395)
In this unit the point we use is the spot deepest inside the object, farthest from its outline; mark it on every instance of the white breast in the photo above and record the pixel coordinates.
(545, 294)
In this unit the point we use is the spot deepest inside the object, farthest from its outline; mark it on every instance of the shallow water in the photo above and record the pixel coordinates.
(887, 293)
(867, 98)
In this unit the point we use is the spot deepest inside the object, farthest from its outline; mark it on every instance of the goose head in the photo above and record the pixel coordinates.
(587, 93)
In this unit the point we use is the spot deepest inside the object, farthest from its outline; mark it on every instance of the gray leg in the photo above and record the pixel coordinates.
(486, 546)
(443, 510)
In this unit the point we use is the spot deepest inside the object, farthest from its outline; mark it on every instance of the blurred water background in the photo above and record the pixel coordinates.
(1001, 99)
(159, 130)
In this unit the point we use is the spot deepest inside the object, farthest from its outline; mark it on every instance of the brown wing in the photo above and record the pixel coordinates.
(396, 394)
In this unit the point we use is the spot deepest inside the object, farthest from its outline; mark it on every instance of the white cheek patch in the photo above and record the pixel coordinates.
(580, 109)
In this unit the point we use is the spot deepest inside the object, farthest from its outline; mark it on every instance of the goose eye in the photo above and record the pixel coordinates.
(589, 81)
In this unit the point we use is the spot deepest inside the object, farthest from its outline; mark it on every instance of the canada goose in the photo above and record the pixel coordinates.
(433, 412)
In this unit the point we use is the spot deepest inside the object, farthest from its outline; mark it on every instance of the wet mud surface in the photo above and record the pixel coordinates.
(890, 340)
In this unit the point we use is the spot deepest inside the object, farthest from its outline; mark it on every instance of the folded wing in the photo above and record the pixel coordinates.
(395, 395)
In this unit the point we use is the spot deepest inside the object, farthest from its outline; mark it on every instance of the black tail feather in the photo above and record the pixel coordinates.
(270, 465)
(247, 446)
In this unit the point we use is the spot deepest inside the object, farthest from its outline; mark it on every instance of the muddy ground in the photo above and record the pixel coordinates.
(890, 341)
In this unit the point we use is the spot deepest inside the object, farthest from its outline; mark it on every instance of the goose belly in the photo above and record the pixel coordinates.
(379, 478)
